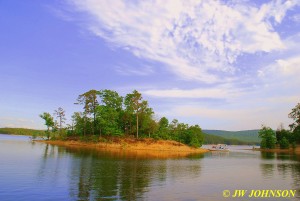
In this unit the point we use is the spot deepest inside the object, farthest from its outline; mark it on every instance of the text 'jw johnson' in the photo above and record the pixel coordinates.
(260, 193)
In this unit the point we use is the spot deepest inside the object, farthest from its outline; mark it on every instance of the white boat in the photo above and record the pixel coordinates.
(219, 147)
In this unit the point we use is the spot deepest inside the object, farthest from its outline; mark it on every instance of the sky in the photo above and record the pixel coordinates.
(222, 64)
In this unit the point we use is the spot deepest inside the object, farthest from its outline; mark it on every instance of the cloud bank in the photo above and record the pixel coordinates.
(202, 42)
(196, 40)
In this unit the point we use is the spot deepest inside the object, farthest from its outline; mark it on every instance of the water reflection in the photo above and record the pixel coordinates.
(109, 175)
(267, 155)
(37, 171)
(295, 169)
(219, 154)
(267, 170)
(286, 166)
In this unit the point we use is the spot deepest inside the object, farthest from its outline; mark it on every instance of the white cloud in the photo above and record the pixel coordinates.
(188, 111)
(282, 71)
(194, 39)
(128, 71)
(202, 40)
(219, 92)
(247, 112)
(17, 123)
(277, 9)
(267, 104)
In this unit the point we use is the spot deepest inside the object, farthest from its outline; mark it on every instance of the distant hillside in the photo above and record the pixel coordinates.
(246, 136)
(213, 139)
(21, 131)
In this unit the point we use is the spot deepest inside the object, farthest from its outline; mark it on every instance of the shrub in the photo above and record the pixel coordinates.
(284, 143)
(263, 144)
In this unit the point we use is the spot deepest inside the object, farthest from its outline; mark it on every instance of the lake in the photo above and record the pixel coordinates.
(37, 171)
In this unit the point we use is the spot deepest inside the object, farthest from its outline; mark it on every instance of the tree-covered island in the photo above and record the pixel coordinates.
(107, 116)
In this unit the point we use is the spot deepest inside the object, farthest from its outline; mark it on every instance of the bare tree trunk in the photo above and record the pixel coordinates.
(94, 123)
(137, 125)
(84, 129)
(72, 128)
(60, 124)
(48, 135)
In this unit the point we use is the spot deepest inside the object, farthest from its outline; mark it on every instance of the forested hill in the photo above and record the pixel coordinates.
(246, 136)
(22, 131)
(214, 139)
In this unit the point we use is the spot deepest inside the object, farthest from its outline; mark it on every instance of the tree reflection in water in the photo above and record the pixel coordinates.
(97, 175)
(285, 164)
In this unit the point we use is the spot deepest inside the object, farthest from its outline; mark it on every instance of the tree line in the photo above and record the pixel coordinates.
(106, 113)
(284, 138)
(21, 131)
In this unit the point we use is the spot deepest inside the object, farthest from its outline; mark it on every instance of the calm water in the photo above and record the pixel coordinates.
(36, 171)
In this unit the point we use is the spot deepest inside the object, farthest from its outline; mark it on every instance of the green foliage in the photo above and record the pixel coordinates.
(190, 135)
(284, 137)
(295, 115)
(296, 134)
(268, 137)
(95, 138)
(263, 144)
(284, 143)
(295, 126)
(89, 102)
(84, 138)
(163, 128)
(61, 115)
(49, 122)
(134, 105)
(282, 133)
(111, 99)
(78, 121)
(107, 113)
(91, 138)
(108, 120)
(163, 123)
(194, 136)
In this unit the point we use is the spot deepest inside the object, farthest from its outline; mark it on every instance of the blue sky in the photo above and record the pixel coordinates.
(230, 65)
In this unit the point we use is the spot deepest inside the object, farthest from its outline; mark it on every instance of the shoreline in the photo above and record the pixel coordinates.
(146, 148)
